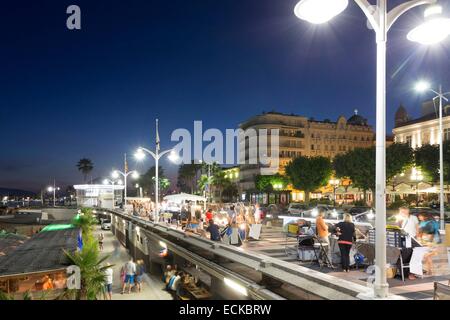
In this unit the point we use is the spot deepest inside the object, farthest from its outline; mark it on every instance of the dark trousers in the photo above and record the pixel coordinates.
(345, 255)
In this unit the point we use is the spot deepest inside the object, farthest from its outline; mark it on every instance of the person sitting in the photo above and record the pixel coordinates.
(167, 274)
(214, 231)
(428, 235)
(176, 281)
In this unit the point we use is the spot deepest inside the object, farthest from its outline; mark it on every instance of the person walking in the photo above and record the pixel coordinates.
(140, 269)
(130, 271)
(109, 280)
(345, 230)
(101, 238)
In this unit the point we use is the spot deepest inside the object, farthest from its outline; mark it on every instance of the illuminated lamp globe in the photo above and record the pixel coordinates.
(319, 11)
(434, 30)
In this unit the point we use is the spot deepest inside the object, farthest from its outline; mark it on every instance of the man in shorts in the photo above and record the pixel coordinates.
(109, 280)
(130, 271)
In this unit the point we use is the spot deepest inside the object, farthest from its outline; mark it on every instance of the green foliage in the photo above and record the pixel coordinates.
(399, 157)
(187, 175)
(147, 180)
(309, 174)
(267, 182)
(92, 271)
(85, 221)
(203, 182)
(359, 166)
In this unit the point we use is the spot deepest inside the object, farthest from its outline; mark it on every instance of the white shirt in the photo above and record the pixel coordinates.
(130, 268)
(175, 283)
(410, 225)
(109, 275)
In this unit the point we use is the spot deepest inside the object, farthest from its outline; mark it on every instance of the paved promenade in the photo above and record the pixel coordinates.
(153, 287)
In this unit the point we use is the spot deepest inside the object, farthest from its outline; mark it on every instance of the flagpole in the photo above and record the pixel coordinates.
(157, 175)
(125, 167)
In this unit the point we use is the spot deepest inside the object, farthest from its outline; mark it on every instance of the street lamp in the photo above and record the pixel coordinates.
(53, 189)
(140, 155)
(117, 173)
(425, 86)
(416, 175)
(435, 28)
(320, 11)
(208, 180)
(140, 190)
(335, 183)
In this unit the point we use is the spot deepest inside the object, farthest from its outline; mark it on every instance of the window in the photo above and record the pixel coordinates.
(409, 140)
(447, 134)
(312, 147)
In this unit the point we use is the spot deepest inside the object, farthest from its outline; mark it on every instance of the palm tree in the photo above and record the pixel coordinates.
(92, 272)
(85, 166)
(187, 174)
(85, 221)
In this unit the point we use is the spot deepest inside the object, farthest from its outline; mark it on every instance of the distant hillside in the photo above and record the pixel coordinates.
(15, 193)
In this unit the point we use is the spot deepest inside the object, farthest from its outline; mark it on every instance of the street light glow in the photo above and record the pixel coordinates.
(435, 28)
(50, 189)
(106, 181)
(135, 175)
(319, 11)
(140, 154)
(115, 174)
(422, 86)
(173, 156)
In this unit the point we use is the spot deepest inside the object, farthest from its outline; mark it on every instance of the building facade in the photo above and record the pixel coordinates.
(302, 136)
(422, 130)
(418, 132)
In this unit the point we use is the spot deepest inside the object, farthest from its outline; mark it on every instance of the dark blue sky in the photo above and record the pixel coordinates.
(95, 93)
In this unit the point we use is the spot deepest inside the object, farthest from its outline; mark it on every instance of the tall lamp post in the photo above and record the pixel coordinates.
(53, 189)
(417, 176)
(433, 30)
(335, 183)
(208, 185)
(421, 87)
(157, 154)
(117, 173)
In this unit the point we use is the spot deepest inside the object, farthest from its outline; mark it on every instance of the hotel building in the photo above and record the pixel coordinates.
(301, 136)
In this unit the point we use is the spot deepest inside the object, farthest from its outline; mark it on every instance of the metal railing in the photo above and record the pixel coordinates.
(309, 281)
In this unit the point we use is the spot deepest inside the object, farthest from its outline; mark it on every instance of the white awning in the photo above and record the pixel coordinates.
(98, 187)
(179, 198)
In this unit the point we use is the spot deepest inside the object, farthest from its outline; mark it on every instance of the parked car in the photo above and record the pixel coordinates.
(331, 213)
(297, 208)
(106, 225)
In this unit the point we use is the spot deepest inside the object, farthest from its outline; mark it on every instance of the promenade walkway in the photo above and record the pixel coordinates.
(153, 287)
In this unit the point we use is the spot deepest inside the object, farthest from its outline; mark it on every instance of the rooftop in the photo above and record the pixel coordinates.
(43, 251)
(9, 242)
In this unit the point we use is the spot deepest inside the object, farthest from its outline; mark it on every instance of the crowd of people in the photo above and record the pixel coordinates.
(425, 229)
(237, 217)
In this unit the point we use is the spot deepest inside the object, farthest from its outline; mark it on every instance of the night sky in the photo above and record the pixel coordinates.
(95, 93)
